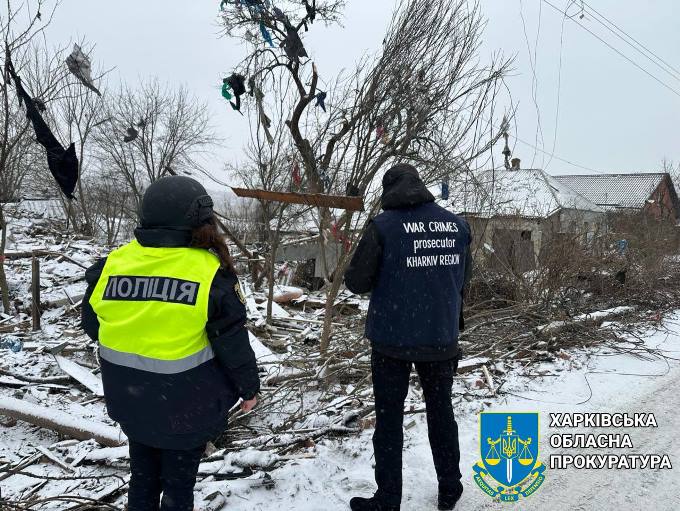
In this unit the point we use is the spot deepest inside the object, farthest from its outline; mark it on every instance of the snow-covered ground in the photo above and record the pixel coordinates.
(586, 382)
(639, 377)
(638, 374)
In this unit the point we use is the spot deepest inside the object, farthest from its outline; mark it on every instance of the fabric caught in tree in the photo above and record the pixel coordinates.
(80, 66)
(297, 177)
(265, 121)
(278, 13)
(131, 136)
(63, 163)
(237, 84)
(311, 10)
(292, 44)
(321, 100)
(225, 90)
(265, 34)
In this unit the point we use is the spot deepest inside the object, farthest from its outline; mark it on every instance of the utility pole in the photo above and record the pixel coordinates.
(506, 150)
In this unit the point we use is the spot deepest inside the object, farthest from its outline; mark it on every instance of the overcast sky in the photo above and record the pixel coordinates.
(612, 116)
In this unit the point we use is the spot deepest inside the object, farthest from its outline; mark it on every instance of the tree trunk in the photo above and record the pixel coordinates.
(338, 273)
(328, 317)
(4, 288)
(275, 239)
(270, 288)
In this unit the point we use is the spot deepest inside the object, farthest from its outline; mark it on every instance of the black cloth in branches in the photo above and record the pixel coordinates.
(279, 14)
(321, 100)
(237, 83)
(292, 44)
(132, 135)
(311, 10)
(63, 163)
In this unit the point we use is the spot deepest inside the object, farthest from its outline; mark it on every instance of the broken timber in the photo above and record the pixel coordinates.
(61, 422)
(310, 199)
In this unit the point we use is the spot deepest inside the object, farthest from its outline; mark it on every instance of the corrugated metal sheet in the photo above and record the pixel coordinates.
(614, 191)
(45, 208)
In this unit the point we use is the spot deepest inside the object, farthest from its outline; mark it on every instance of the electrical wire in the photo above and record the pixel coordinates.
(559, 87)
(534, 82)
(616, 50)
(632, 42)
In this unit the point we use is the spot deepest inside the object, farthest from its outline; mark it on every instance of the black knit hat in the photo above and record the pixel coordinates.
(176, 202)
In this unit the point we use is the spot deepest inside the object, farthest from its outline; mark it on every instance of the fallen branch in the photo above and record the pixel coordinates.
(61, 422)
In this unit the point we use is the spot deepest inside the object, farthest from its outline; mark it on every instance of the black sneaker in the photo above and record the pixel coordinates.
(448, 498)
(370, 504)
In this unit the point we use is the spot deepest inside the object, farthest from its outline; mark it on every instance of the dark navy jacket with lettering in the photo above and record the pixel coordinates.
(415, 260)
(188, 409)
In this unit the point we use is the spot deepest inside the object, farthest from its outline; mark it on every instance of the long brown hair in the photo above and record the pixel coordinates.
(208, 237)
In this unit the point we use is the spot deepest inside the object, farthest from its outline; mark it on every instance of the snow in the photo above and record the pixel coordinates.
(329, 469)
(524, 192)
(82, 374)
(587, 381)
(79, 426)
(590, 316)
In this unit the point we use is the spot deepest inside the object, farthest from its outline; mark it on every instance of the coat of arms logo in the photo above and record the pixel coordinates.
(508, 444)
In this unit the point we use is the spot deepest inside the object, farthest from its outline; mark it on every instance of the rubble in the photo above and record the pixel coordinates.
(50, 377)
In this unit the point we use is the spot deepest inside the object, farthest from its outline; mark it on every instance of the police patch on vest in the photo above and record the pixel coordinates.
(156, 289)
(239, 293)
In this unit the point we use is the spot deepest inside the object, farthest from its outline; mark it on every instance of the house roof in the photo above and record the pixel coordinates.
(529, 193)
(615, 191)
(45, 208)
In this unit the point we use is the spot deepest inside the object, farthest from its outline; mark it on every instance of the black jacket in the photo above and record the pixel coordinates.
(404, 192)
(195, 402)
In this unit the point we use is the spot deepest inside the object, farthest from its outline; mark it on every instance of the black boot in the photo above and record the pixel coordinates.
(372, 504)
(448, 497)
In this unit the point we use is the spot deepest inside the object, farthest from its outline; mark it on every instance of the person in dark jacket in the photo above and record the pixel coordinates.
(169, 316)
(415, 260)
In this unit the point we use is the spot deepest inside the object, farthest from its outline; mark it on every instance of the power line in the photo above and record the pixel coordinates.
(559, 92)
(635, 44)
(533, 63)
(654, 77)
(583, 167)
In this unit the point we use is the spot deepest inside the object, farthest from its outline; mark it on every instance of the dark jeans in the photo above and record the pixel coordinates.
(162, 470)
(390, 383)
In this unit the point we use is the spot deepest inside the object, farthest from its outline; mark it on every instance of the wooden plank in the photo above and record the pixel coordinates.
(53, 457)
(310, 199)
(81, 374)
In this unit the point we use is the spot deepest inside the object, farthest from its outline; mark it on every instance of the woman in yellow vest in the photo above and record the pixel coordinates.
(170, 318)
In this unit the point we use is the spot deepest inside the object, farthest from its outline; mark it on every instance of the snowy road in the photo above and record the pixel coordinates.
(620, 490)
(618, 383)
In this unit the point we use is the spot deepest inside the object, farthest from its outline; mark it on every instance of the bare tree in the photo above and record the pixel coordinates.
(166, 130)
(271, 165)
(20, 26)
(79, 113)
(424, 98)
(112, 206)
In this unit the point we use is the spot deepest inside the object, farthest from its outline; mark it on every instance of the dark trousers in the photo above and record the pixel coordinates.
(391, 383)
(162, 470)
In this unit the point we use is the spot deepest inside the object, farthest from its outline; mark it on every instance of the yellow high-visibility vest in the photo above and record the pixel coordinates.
(152, 305)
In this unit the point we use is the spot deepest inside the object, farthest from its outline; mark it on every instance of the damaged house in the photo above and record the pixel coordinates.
(642, 208)
(650, 193)
(515, 213)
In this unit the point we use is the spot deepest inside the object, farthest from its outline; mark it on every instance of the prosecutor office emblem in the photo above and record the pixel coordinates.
(508, 446)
